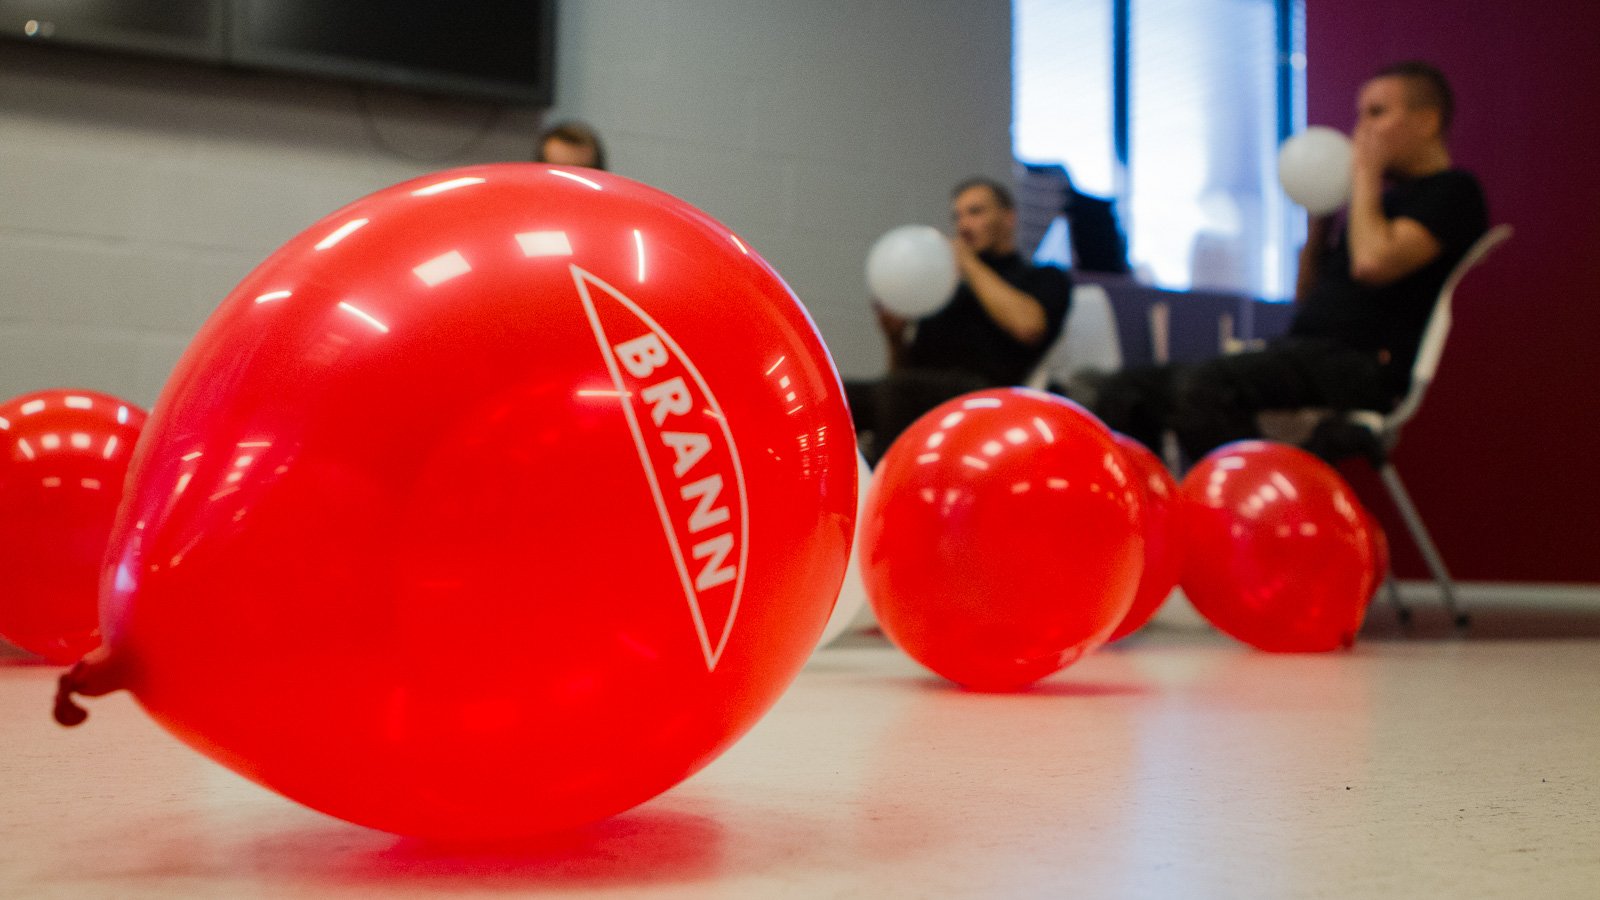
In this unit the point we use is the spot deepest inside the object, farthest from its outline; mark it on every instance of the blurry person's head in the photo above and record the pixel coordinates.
(1409, 106)
(571, 144)
(984, 215)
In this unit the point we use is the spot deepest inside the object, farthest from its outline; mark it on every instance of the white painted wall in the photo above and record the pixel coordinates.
(134, 195)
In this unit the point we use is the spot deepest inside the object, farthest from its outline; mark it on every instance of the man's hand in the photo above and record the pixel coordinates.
(1370, 154)
(894, 334)
(1318, 229)
(966, 257)
(894, 326)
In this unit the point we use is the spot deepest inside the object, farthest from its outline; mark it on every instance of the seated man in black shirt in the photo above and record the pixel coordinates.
(1364, 293)
(1004, 316)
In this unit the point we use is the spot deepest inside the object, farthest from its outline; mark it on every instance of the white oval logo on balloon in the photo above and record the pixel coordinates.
(659, 385)
(1314, 169)
(911, 270)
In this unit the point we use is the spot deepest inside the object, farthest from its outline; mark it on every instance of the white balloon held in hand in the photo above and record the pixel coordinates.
(911, 270)
(1314, 169)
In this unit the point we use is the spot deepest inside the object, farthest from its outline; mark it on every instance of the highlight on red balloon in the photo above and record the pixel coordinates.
(494, 503)
(1278, 550)
(1001, 540)
(64, 454)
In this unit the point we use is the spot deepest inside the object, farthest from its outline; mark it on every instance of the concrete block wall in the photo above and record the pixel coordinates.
(135, 194)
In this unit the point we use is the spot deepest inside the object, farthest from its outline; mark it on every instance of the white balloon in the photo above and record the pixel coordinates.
(853, 592)
(911, 270)
(1314, 169)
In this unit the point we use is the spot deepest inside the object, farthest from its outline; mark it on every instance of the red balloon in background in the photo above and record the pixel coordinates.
(496, 502)
(1002, 538)
(63, 457)
(1277, 550)
(1163, 545)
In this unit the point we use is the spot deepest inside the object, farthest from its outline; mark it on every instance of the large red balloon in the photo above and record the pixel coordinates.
(498, 501)
(1163, 545)
(1277, 548)
(1001, 538)
(63, 457)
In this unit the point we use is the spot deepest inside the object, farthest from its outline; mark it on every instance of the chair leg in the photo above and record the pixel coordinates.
(1419, 534)
(1392, 590)
(1171, 454)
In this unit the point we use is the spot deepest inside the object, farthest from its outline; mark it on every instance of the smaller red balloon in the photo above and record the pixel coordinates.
(1001, 538)
(1278, 552)
(1380, 553)
(1163, 545)
(63, 457)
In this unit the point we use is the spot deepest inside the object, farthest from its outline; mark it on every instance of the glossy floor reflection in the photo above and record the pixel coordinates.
(1180, 765)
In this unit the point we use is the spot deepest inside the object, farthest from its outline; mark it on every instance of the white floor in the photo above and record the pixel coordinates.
(1180, 765)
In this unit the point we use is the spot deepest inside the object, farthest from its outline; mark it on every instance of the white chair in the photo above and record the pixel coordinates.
(1432, 347)
(1294, 426)
(1088, 342)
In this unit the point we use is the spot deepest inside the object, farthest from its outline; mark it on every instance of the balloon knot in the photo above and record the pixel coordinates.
(68, 713)
(91, 676)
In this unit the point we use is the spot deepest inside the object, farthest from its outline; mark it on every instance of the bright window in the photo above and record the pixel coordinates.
(1062, 80)
(1209, 92)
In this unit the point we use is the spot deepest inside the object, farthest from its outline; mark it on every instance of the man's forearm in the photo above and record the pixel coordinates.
(1383, 249)
(1011, 308)
(894, 330)
(896, 345)
(1369, 229)
(1311, 257)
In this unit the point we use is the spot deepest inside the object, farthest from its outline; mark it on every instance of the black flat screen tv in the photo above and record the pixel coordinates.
(182, 29)
(500, 50)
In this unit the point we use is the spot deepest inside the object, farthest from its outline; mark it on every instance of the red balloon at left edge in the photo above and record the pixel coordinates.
(63, 457)
(495, 503)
